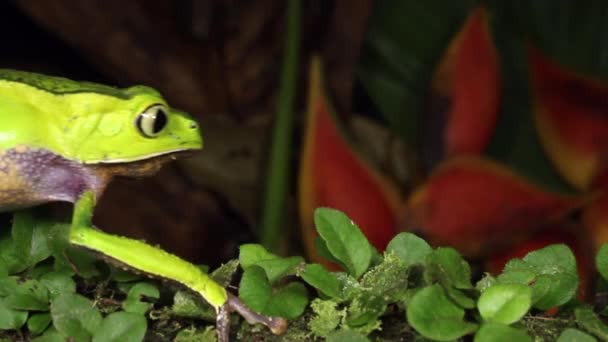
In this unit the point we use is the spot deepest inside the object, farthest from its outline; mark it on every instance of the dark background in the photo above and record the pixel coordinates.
(218, 60)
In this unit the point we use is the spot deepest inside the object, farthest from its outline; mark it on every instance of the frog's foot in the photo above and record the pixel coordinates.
(277, 325)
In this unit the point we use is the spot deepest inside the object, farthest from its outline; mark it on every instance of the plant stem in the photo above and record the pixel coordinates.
(277, 179)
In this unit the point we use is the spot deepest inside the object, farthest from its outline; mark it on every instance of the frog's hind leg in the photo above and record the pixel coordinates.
(155, 262)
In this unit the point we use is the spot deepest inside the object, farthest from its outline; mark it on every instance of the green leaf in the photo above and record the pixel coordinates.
(289, 301)
(75, 316)
(9, 261)
(323, 251)
(252, 253)
(255, 289)
(50, 335)
(496, 332)
(575, 335)
(460, 298)
(346, 335)
(29, 243)
(601, 261)
(223, 274)
(446, 266)
(23, 227)
(505, 303)
(434, 316)
(588, 320)
(40, 248)
(58, 282)
(186, 304)
(84, 262)
(123, 276)
(38, 322)
(410, 248)
(121, 326)
(8, 285)
(29, 295)
(321, 279)
(551, 271)
(275, 266)
(134, 302)
(344, 240)
(9, 318)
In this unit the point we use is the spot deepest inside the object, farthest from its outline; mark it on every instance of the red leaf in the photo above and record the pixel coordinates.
(478, 206)
(469, 76)
(333, 175)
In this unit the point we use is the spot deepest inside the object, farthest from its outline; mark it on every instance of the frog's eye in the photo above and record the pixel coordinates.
(152, 121)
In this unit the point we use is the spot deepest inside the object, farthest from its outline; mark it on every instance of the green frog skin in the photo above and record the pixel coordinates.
(62, 140)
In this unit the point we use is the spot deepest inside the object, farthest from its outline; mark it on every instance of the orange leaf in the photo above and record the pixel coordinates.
(469, 76)
(477, 206)
(333, 175)
(570, 111)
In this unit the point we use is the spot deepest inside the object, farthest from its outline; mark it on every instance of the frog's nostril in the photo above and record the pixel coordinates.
(193, 126)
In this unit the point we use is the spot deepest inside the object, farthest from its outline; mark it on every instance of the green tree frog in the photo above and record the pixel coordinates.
(62, 140)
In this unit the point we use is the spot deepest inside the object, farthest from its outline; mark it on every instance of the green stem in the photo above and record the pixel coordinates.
(277, 179)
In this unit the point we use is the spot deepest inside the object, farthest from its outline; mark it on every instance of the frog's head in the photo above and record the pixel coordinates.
(138, 126)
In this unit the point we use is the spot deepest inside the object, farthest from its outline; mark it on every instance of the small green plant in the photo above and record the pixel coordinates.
(50, 291)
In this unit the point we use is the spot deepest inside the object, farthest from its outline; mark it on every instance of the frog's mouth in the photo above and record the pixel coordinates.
(176, 153)
(143, 167)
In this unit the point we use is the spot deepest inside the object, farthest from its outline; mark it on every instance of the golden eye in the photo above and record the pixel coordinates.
(152, 121)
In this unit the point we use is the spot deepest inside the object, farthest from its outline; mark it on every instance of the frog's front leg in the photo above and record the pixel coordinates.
(157, 263)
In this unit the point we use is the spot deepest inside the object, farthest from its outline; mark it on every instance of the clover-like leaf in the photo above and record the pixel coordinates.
(434, 316)
(447, 266)
(344, 240)
(505, 303)
(588, 320)
(254, 288)
(575, 335)
(58, 282)
(38, 322)
(134, 302)
(320, 278)
(347, 335)
(9, 318)
(121, 326)
(75, 316)
(275, 266)
(288, 301)
(409, 248)
(551, 271)
(601, 261)
(28, 295)
(496, 332)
